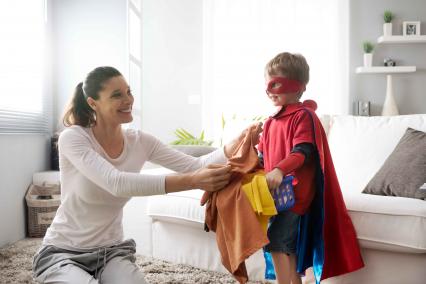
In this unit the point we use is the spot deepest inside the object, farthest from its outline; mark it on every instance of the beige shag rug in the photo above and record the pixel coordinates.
(15, 267)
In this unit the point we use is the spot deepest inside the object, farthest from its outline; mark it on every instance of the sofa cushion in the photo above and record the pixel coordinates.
(381, 222)
(360, 145)
(404, 171)
(194, 150)
(325, 121)
(178, 207)
(48, 177)
(388, 223)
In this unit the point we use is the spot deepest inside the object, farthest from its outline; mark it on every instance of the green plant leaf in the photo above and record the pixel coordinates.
(259, 118)
(179, 134)
(187, 133)
(387, 16)
(183, 134)
(186, 138)
(367, 46)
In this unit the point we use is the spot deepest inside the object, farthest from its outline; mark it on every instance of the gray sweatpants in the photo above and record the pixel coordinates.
(106, 265)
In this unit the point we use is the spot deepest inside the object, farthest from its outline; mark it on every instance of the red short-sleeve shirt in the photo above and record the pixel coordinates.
(283, 131)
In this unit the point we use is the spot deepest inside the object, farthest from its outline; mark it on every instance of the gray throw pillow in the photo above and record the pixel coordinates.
(194, 150)
(404, 171)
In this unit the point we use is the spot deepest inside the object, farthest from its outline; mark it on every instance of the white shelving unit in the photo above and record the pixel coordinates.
(389, 106)
(386, 69)
(402, 39)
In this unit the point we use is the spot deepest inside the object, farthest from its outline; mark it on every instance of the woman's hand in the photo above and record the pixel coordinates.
(274, 178)
(205, 198)
(207, 193)
(231, 146)
(212, 178)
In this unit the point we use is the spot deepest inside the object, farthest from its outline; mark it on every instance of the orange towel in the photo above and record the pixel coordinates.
(229, 214)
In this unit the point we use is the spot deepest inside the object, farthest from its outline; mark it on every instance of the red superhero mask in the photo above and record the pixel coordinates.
(282, 85)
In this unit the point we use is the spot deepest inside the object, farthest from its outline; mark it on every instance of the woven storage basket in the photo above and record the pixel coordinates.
(42, 203)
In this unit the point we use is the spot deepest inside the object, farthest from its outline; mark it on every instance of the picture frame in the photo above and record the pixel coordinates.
(411, 28)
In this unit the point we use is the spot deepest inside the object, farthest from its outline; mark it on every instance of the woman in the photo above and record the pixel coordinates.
(100, 164)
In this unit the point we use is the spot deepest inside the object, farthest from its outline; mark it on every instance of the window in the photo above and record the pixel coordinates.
(241, 36)
(135, 64)
(23, 103)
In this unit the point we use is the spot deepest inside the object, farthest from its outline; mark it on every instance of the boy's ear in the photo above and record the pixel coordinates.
(302, 91)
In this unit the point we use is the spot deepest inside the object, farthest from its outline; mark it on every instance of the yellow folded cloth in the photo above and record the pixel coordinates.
(256, 189)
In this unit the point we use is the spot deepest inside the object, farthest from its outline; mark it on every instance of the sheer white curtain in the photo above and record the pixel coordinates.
(241, 36)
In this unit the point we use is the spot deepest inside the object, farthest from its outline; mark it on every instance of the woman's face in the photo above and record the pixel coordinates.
(114, 105)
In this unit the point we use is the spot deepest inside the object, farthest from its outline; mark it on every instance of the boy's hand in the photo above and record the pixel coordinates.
(274, 178)
(231, 146)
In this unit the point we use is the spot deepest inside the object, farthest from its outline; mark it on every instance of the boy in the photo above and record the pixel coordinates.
(314, 231)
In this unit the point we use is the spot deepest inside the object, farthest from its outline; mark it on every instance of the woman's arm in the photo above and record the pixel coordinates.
(170, 158)
(77, 149)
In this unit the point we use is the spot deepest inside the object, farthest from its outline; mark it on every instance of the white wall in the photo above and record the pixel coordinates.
(172, 61)
(92, 33)
(21, 156)
(171, 66)
(366, 23)
(86, 34)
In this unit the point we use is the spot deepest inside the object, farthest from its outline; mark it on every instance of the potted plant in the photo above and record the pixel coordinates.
(387, 26)
(186, 138)
(190, 144)
(368, 55)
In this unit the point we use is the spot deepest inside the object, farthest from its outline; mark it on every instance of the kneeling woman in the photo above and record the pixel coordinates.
(100, 167)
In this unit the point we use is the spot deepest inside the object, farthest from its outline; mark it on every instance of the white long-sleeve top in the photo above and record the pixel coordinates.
(95, 187)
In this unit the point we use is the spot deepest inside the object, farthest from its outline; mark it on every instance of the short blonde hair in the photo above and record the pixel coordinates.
(292, 66)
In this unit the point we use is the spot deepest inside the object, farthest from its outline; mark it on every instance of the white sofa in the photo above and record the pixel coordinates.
(391, 230)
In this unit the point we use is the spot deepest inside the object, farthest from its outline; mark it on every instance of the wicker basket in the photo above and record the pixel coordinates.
(42, 203)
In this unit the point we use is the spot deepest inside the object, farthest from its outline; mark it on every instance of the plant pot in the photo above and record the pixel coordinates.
(387, 29)
(194, 150)
(368, 59)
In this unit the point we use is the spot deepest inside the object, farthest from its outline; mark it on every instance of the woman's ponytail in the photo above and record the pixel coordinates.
(79, 112)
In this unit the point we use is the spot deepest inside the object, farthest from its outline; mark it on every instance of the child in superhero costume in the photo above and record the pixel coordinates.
(317, 231)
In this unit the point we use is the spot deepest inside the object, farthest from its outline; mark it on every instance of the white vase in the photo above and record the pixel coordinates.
(387, 29)
(389, 106)
(368, 59)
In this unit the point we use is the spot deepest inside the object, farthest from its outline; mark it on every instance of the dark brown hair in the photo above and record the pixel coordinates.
(292, 66)
(78, 111)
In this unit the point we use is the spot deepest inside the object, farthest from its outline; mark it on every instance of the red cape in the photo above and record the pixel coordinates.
(327, 239)
(341, 249)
